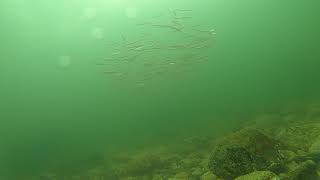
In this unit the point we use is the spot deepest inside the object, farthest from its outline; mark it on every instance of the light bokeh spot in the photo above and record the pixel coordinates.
(90, 13)
(131, 12)
(97, 33)
(64, 61)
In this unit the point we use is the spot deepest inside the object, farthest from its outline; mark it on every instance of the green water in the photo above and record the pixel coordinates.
(57, 105)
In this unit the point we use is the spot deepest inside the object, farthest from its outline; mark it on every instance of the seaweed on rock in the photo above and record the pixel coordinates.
(243, 152)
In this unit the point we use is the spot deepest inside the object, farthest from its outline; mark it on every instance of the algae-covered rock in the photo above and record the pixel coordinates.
(243, 152)
(259, 175)
(180, 176)
(198, 141)
(140, 165)
(208, 176)
(315, 146)
(49, 176)
(132, 178)
(197, 172)
(288, 155)
(189, 162)
(159, 177)
(313, 113)
(303, 171)
(301, 136)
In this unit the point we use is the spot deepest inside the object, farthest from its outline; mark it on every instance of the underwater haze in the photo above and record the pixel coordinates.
(81, 78)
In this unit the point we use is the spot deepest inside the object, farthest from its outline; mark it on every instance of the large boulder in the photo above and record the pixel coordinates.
(243, 152)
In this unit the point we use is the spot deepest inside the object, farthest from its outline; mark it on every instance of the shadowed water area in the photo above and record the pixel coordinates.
(124, 89)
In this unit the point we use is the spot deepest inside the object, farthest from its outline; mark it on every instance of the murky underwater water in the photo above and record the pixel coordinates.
(82, 82)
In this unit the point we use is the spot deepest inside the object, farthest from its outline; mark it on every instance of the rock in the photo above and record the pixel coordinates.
(49, 177)
(189, 162)
(301, 136)
(121, 158)
(243, 152)
(129, 178)
(287, 155)
(180, 176)
(259, 175)
(197, 172)
(198, 141)
(204, 163)
(208, 176)
(140, 165)
(304, 171)
(157, 177)
(314, 156)
(75, 177)
(266, 121)
(313, 113)
(315, 146)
